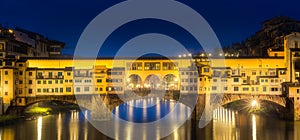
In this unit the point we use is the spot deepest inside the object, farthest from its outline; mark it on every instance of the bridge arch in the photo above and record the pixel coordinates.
(134, 81)
(170, 82)
(153, 81)
(277, 99)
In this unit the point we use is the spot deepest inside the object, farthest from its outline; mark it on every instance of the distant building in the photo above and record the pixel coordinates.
(23, 43)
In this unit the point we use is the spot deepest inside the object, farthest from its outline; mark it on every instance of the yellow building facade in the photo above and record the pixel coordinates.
(33, 77)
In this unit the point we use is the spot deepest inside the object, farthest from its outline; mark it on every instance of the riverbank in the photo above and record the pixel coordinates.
(50, 107)
(9, 119)
(42, 109)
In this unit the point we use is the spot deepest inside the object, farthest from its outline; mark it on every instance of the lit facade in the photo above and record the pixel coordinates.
(33, 77)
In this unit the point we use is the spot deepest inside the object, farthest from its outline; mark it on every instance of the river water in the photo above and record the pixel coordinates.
(226, 125)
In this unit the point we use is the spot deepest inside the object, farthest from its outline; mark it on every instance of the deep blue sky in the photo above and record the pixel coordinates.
(64, 20)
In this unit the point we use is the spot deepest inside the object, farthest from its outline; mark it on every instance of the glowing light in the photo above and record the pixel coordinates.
(209, 54)
(10, 31)
(253, 127)
(190, 54)
(184, 55)
(254, 103)
(39, 128)
(179, 56)
(221, 54)
(176, 79)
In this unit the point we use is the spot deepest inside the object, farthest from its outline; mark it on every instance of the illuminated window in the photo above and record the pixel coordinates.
(152, 66)
(169, 66)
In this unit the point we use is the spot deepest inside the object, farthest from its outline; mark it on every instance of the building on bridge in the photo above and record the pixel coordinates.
(276, 75)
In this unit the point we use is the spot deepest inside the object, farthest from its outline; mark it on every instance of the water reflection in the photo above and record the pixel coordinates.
(39, 128)
(59, 126)
(254, 127)
(226, 125)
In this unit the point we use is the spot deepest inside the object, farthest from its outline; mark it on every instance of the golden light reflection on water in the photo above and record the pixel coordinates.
(253, 127)
(59, 126)
(39, 128)
(224, 124)
(7, 134)
(74, 130)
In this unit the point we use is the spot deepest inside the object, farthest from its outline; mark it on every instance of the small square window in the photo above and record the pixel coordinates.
(30, 91)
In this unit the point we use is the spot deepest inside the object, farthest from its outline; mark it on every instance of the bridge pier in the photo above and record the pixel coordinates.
(296, 109)
(293, 109)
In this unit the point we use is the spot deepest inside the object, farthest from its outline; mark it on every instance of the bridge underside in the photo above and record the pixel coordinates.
(278, 99)
(108, 102)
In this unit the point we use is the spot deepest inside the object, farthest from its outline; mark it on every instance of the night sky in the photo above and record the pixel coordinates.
(63, 20)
